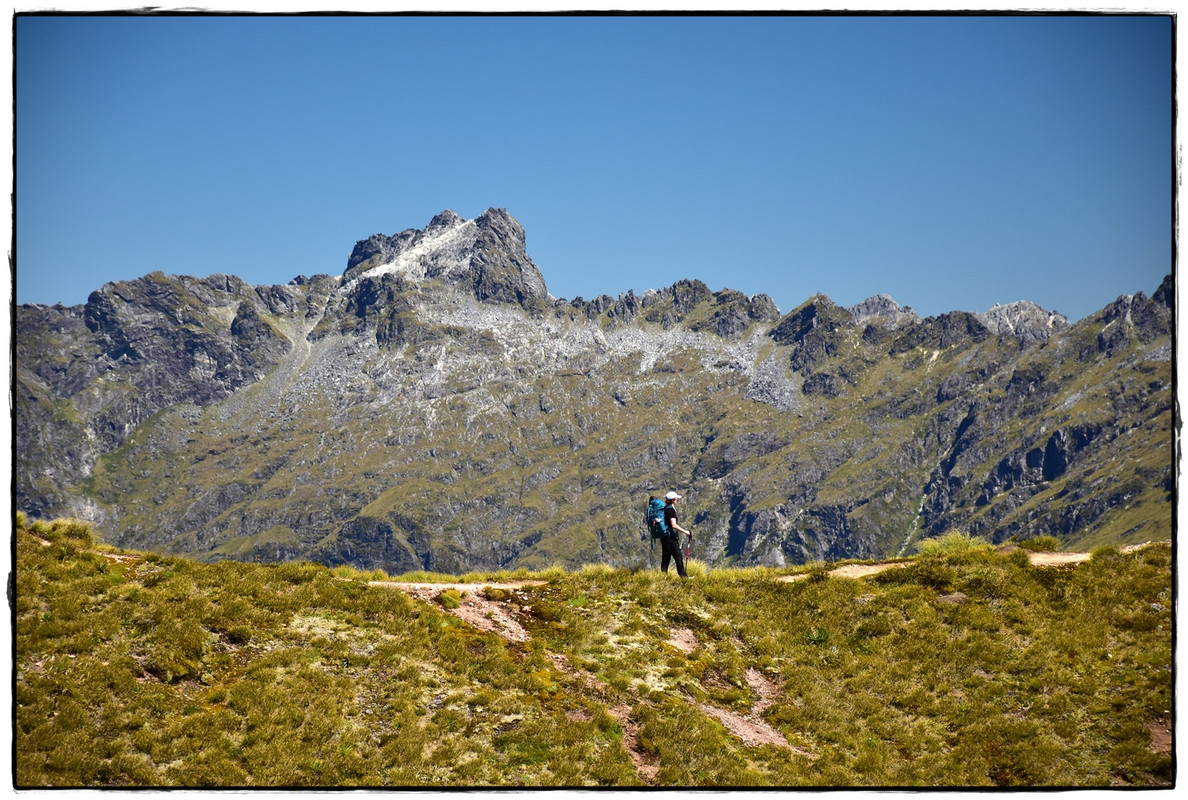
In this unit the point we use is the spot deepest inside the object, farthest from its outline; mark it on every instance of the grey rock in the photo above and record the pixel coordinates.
(882, 310)
(815, 331)
(1024, 320)
(486, 254)
(773, 385)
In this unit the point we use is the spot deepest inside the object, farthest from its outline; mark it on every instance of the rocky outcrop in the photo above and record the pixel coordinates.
(734, 313)
(89, 376)
(1039, 464)
(500, 270)
(884, 312)
(486, 255)
(719, 459)
(169, 340)
(957, 328)
(730, 314)
(379, 250)
(1132, 319)
(1024, 320)
(814, 332)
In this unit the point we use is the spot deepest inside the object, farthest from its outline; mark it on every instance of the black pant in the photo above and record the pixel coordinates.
(670, 548)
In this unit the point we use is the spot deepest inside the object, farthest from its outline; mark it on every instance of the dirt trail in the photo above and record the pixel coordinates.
(460, 587)
(853, 570)
(123, 558)
(646, 764)
(1039, 559)
(1056, 559)
(494, 616)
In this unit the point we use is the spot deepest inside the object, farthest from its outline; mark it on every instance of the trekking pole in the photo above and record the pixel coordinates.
(688, 541)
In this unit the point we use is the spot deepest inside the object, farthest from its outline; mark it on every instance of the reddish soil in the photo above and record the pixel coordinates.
(646, 764)
(683, 639)
(475, 609)
(751, 728)
(1161, 736)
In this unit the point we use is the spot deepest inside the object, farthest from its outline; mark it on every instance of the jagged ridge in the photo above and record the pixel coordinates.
(435, 407)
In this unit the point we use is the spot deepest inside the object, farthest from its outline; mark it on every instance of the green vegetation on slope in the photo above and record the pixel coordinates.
(966, 667)
(401, 425)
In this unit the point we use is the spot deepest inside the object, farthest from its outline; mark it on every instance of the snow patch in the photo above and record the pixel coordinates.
(444, 254)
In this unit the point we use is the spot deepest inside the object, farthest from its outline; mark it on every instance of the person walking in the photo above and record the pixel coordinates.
(670, 545)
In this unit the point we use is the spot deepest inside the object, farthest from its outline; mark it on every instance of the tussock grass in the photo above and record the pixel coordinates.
(955, 545)
(1041, 544)
(965, 669)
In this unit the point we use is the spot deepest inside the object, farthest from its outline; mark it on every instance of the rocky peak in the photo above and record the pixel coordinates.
(486, 255)
(814, 330)
(1136, 316)
(1024, 320)
(881, 308)
(1166, 293)
(377, 250)
(499, 268)
(817, 314)
(443, 222)
(956, 328)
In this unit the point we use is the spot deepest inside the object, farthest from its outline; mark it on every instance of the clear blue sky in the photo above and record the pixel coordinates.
(951, 162)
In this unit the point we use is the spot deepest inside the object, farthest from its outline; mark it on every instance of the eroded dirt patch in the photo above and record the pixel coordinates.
(683, 639)
(1060, 559)
(765, 689)
(862, 570)
(646, 764)
(850, 571)
(1056, 559)
(590, 680)
(474, 608)
(751, 728)
(1161, 736)
(752, 732)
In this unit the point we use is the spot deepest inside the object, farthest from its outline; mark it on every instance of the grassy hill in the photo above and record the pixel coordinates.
(966, 666)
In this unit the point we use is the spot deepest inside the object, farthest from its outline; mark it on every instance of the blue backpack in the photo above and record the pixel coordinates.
(654, 518)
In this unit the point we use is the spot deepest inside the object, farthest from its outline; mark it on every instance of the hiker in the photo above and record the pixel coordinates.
(670, 545)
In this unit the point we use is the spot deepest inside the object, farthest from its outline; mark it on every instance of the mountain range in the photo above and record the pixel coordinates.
(434, 407)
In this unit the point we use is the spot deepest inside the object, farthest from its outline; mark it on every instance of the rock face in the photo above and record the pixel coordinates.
(881, 310)
(485, 255)
(434, 408)
(1024, 320)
